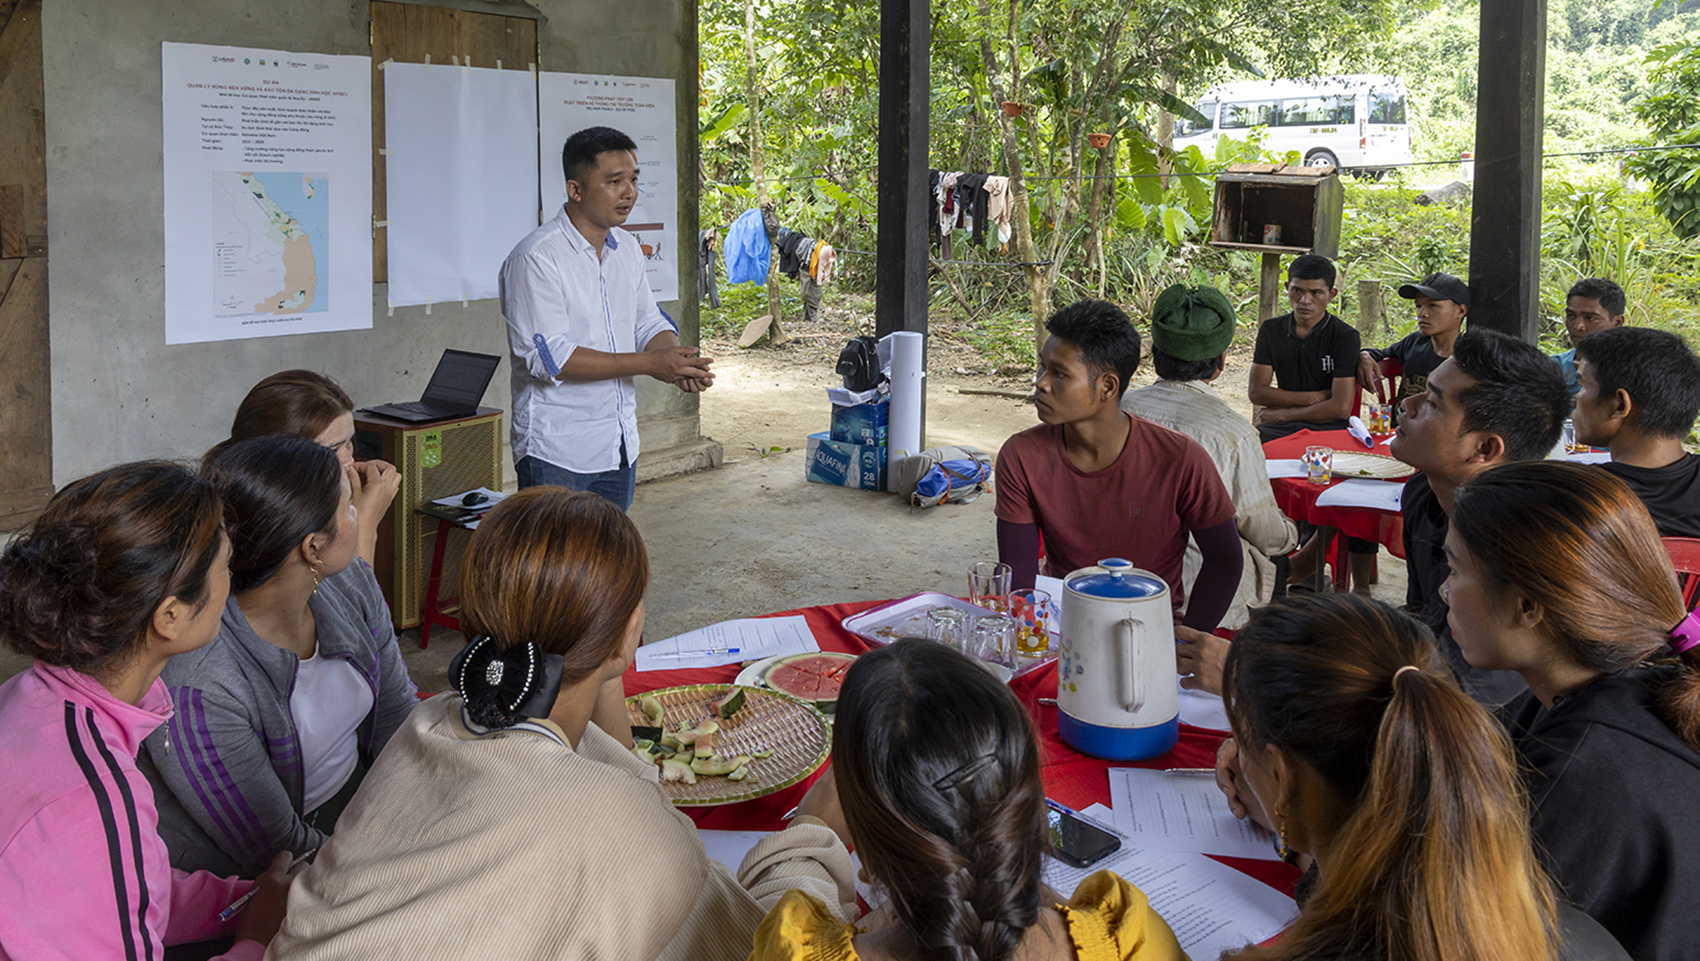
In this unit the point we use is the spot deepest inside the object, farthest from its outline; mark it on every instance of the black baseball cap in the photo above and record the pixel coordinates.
(1439, 287)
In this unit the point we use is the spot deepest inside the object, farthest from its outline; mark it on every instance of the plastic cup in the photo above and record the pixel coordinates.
(1381, 418)
(988, 583)
(1319, 464)
(1031, 609)
(1569, 436)
(948, 626)
(991, 641)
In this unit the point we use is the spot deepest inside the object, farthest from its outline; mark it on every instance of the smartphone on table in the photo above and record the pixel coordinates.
(1076, 841)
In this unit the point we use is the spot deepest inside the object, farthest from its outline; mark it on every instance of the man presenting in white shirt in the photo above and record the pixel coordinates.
(578, 305)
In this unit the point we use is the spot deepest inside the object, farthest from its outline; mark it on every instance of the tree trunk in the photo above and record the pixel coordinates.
(1038, 290)
(752, 95)
(1166, 132)
(1103, 170)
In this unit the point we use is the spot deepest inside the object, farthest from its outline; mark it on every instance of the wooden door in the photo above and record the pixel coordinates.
(26, 426)
(414, 33)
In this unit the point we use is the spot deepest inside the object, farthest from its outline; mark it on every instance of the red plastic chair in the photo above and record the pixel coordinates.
(1391, 371)
(1685, 557)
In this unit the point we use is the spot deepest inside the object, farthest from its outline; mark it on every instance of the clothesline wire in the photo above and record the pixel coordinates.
(969, 263)
(1415, 163)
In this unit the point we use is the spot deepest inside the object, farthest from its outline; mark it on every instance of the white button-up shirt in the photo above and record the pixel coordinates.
(558, 296)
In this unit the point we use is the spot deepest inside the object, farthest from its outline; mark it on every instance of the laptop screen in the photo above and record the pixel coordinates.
(460, 379)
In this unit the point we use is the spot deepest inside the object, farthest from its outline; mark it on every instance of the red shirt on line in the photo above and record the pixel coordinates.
(1140, 507)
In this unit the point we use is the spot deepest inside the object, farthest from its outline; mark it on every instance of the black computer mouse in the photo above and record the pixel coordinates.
(473, 499)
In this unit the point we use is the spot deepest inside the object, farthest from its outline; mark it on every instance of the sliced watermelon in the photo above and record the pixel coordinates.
(814, 677)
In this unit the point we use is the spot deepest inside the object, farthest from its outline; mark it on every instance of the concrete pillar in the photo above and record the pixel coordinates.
(1505, 214)
(900, 285)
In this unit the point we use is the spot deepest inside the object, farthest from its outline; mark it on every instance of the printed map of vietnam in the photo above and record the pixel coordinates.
(300, 277)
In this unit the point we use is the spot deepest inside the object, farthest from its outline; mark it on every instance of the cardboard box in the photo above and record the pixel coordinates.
(862, 423)
(861, 466)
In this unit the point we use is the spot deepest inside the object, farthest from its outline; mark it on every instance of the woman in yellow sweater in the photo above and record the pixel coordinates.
(937, 767)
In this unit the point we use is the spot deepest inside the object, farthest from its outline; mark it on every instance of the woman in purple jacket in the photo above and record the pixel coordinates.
(123, 570)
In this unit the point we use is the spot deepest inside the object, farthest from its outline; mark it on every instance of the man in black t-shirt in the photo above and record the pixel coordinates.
(1639, 395)
(1311, 356)
(1305, 360)
(1442, 303)
(1495, 400)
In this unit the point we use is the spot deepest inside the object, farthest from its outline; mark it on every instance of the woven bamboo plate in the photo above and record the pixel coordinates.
(792, 729)
(1350, 464)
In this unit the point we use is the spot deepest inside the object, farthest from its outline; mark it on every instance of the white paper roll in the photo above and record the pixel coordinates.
(908, 388)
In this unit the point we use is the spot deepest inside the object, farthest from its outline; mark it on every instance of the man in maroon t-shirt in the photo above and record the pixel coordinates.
(1097, 482)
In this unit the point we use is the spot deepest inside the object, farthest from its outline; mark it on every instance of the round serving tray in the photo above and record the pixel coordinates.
(1350, 464)
(792, 729)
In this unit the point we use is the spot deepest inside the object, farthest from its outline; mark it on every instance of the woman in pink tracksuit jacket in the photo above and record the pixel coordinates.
(122, 570)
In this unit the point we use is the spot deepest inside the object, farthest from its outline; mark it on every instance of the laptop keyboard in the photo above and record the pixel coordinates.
(420, 407)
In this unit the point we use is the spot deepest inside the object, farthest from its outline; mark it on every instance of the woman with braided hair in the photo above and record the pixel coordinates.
(1354, 743)
(509, 818)
(937, 769)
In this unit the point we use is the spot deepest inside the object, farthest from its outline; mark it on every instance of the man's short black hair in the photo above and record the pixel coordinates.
(1106, 339)
(1519, 392)
(1657, 368)
(578, 156)
(1607, 292)
(1173, 368)
(1311, 267)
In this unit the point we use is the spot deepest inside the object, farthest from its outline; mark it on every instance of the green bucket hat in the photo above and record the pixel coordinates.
(1192, 323)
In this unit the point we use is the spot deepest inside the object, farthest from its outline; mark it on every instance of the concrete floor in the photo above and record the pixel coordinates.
(754, 537)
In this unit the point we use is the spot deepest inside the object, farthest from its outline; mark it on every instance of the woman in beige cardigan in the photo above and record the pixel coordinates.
(509, 819)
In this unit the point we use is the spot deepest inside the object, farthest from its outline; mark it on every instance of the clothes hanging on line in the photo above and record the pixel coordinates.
(967, 201)
(999, 205)
(748, 251)
(707, 240)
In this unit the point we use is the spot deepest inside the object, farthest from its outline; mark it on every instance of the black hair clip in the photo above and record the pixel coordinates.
(965, 773)
(502, 688)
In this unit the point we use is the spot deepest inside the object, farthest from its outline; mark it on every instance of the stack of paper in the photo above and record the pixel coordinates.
(1211, 907)
(1182, 812)
(1379, 495)
(729, 642)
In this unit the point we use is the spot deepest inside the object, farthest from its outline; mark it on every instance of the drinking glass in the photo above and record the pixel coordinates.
(1569, 436)
(992, 642)
(1319, 464)
(948, 626)
(1381, 418)
(988, 582)
(1031, 609)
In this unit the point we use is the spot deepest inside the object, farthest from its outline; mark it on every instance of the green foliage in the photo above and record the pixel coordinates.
(1618, 71)
(1672, 111)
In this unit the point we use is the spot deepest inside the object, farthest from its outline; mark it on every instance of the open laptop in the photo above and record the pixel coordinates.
(456, 387)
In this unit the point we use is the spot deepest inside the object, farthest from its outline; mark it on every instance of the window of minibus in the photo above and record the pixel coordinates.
(1208, 109)
(1260, 114)
(1386, 107)
(1312, 111)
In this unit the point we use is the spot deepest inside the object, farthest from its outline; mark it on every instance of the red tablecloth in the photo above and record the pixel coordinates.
(1070, 777)
(1297, 496)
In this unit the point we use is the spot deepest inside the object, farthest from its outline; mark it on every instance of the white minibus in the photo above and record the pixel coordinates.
(1353, 121)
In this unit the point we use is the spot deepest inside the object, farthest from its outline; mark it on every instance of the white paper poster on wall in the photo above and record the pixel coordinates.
(642, 108)
(460, 176)
(268, 192)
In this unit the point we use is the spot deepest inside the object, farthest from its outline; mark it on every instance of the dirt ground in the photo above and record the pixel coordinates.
(774, 396)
